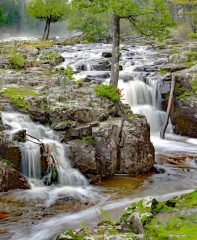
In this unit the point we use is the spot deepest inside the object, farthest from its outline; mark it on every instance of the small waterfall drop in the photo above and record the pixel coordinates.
(31, 156)
(140, 89)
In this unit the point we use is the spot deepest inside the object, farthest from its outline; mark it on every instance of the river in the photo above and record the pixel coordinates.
(42, 212)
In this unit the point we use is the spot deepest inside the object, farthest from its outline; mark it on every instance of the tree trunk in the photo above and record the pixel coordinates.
(165, 124)
(46, 29)
(115, 51)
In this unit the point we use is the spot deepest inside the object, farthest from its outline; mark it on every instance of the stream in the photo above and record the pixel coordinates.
(42, 212)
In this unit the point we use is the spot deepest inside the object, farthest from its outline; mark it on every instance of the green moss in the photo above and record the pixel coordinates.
(175, 227)
(17, 96)
(107, 91)
(187, 201)
(16, 60)
(87, 140)
(183, 94)
(9, 162)
(194, 85)
(163, 72)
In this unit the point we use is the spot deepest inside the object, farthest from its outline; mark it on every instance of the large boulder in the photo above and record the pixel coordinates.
(183, 113)
(10, 150)
(136, 154)
(11, 179)
(179, 58)
(115, 146)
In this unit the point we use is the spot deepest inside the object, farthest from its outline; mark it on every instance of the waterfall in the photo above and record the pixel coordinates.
(139, 88)
(31, 156)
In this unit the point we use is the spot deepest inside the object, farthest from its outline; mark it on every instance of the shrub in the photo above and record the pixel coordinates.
(192, 56)
(107, 91)
(16, 60)
(69, 72)
(192, 35)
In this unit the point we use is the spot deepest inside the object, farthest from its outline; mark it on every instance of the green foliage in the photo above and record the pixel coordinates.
(193, 35)
(192, 56)
(69, 72)
(163, 72)
(17, 96)
(55, 10)
(107, 91)
(9, 162)
(150, 18)
(94, 26)
(3, 19)
(16, 60)
(79, 82)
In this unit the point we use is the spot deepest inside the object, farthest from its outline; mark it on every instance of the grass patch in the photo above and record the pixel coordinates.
(108, 91)
(17, 96)
(16, 60)
(38, 45)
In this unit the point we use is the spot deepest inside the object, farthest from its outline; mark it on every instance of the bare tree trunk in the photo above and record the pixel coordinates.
(165, 124)
(46, 29)
(115, 51)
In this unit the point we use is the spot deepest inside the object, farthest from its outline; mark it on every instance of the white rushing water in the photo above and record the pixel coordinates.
(31, 157)
(139, 85)
(71, 183)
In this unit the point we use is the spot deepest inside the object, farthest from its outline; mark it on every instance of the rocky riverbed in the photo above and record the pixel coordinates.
(103, 139)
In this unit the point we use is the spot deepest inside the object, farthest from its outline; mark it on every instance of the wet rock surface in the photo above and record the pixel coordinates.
(11, 179)
(184, 108)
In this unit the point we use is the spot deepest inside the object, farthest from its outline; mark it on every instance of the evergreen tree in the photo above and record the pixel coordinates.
(148, 17)
(49, 10)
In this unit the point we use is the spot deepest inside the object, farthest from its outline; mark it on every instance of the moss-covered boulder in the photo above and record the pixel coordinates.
(183, 113)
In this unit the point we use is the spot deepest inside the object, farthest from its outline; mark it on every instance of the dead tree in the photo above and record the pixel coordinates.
(165, 124)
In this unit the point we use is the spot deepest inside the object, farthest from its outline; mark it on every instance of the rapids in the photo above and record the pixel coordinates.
(140, 87)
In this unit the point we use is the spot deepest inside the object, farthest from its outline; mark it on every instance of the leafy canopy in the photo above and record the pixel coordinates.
(3, 19)
(55, 10)
(148, 17)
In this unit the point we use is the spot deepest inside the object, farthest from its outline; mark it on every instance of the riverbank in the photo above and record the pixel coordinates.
(146, 219)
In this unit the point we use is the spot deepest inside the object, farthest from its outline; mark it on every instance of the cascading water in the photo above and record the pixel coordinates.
(141, 91)
(31, 157)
